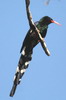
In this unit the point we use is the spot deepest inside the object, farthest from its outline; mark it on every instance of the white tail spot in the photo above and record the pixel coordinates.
(17, 70)
(14, 77)
(26, 63)
(23, 70)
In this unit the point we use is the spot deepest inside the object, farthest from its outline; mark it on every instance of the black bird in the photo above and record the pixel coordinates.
(30, 41)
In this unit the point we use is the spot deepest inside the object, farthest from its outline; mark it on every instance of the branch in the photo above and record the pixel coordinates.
(48, 1)
(33, 27)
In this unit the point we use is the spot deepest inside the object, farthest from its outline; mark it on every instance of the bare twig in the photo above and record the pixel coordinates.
(47, 2)
(33, 27)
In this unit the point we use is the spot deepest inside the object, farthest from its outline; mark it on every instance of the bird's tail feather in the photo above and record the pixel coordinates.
(13, 90)
(22, 65)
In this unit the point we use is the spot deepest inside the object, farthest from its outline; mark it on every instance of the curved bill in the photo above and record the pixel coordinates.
(55, 22)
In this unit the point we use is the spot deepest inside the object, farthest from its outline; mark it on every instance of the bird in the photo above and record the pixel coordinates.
(30, 41)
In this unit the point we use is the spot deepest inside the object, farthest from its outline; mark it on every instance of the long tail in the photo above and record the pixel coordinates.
(22, 66)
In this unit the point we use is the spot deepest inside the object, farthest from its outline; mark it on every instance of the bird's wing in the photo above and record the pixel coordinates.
(25, 41)
(26, 38)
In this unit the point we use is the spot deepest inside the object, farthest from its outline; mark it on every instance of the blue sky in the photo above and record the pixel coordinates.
(45, 79)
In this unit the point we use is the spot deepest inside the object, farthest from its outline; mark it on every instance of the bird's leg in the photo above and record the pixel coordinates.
(34, 28)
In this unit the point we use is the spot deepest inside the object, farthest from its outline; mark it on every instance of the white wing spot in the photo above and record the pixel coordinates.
(30, 31)
(23, 51)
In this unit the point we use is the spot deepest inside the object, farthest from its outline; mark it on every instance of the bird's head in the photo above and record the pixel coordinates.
(47, 20)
